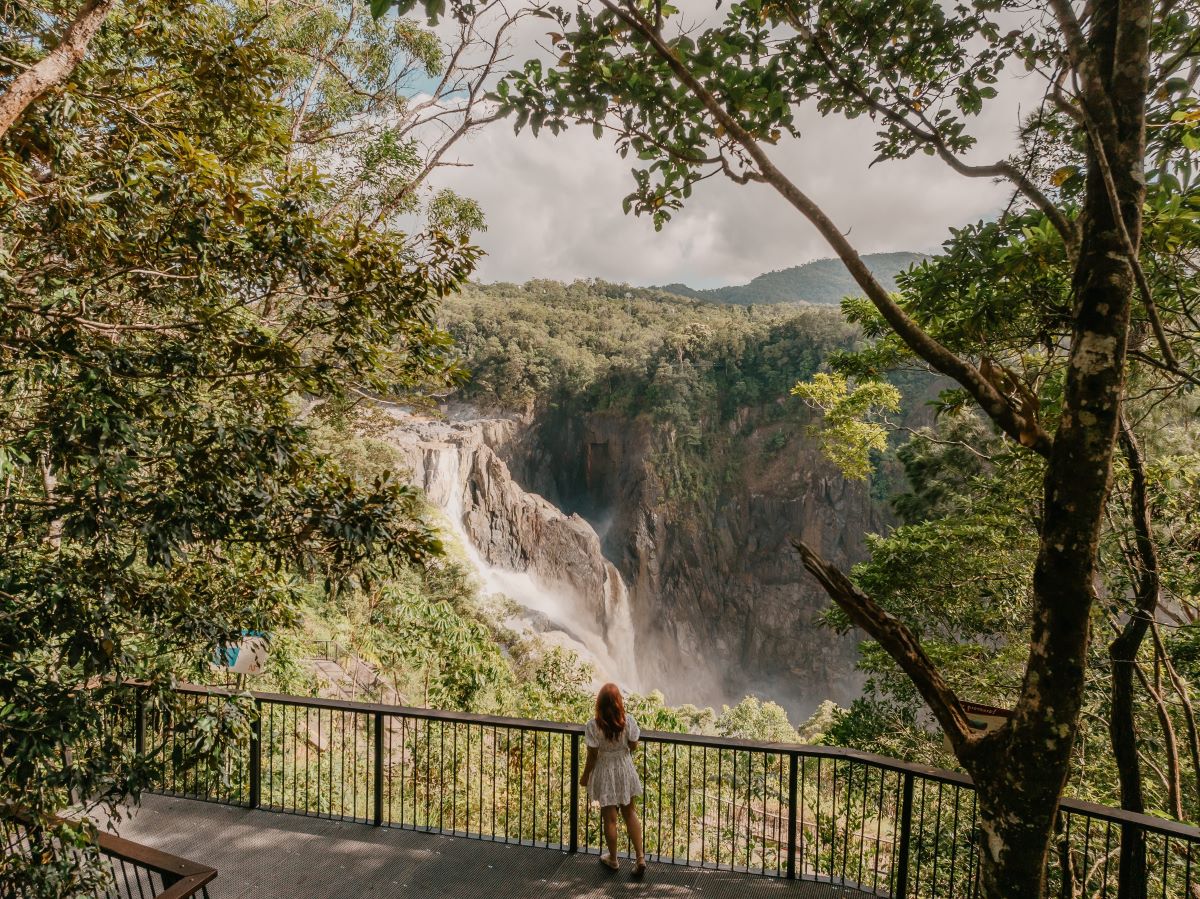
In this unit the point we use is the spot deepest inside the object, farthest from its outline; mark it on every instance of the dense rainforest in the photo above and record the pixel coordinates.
(957, 520)
(225, 261)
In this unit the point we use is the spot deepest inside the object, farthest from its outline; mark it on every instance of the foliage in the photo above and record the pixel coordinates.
(173, 284)
(377, 104)
(851, 431)
(702, 377)
(754, 719)
(544, 342)
(957, 572)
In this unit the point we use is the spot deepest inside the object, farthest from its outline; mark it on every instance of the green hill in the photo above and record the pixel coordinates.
(823, 281)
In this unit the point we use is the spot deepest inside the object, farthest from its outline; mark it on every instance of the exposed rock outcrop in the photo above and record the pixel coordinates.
(523, 546)
(720, 602)
(701, 596)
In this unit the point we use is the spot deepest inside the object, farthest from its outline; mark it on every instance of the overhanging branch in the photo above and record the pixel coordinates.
(56, 66)
(898, 641)
(1027, 431)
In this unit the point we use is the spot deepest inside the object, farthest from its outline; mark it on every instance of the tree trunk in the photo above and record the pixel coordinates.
(1017, 835)
(1022, 777)
(1124, 737)
(1122, 654)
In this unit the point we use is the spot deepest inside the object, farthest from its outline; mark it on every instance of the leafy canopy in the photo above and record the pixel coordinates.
(178, 295)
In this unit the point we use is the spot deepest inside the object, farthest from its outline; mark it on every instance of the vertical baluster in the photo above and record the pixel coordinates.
(937, 837)
(377, 769)
(793, 813)
(905, 836)
(255, 798)
(575, 775)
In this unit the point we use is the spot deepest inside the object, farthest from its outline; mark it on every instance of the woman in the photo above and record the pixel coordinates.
(609, 776)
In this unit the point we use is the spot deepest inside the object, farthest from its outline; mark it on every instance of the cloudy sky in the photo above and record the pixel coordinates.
(553, 204)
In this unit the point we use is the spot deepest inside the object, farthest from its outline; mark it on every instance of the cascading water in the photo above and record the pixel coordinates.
(599, 628)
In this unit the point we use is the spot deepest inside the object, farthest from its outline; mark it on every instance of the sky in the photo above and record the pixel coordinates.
(553, 204)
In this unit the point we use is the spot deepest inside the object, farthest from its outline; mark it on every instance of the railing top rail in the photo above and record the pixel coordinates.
(1163, 826)
(938, 775)
(188, 877)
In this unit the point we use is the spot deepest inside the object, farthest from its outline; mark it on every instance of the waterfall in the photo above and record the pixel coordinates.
(598, 628)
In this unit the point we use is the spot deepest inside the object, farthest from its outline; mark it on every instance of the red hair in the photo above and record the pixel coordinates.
(610, 711)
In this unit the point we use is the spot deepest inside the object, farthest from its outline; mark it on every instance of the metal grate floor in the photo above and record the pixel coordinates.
(267, 855)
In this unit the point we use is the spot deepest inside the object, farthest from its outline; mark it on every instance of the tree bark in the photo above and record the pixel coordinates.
(56, 66)
(1020, 784)
(1122, 654)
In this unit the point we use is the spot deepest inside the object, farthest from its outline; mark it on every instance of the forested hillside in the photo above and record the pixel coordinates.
(639, 350)
(668, 424)
(824, 281)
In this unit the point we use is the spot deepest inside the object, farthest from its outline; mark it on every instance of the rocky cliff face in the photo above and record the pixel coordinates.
(520, 544)
(700, 596)
(720, 603)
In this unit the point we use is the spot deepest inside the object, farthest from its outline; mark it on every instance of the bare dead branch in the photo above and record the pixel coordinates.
(899, 642)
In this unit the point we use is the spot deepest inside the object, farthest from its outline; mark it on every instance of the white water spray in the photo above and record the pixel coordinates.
(601, 632)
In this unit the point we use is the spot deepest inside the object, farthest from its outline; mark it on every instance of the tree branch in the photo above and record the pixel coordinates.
(1003, 169)
(1026, 431)
(899, 642)
(56, 66)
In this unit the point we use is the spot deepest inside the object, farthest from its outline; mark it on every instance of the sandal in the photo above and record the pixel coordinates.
(614, 865)
(639, 869)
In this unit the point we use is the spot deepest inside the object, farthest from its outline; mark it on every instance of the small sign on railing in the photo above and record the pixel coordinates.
(245, 656)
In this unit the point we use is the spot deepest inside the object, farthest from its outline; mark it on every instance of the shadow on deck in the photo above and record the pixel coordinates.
(266, 855)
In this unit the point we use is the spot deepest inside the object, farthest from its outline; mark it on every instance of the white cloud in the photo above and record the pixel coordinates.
(554, 203)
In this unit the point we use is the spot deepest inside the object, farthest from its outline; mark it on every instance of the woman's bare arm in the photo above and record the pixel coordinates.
(588, 766)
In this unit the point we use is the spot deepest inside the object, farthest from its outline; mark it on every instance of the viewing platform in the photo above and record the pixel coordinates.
(328, 797)
(263, 855)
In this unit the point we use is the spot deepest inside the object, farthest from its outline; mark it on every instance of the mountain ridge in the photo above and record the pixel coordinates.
(821, 281)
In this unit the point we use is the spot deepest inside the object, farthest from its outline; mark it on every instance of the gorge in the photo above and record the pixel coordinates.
(571, 521)
(627, 467)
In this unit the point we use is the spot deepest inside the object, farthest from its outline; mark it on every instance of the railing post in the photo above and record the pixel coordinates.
(377, 819)
(256, 756)
(905, 837)
(793, 778)
(573, 844)
(139, 724)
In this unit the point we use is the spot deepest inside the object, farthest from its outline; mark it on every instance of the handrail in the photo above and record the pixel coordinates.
(181, 876)
(938, 775)
(821, 813)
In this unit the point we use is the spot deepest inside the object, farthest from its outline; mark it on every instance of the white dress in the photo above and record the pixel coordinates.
(614, 780)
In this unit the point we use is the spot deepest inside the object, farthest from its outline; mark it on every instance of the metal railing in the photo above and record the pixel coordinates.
(129, 870)
(821, 813)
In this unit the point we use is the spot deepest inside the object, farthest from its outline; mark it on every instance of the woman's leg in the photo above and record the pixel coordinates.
(634, 825)
(609, 814)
